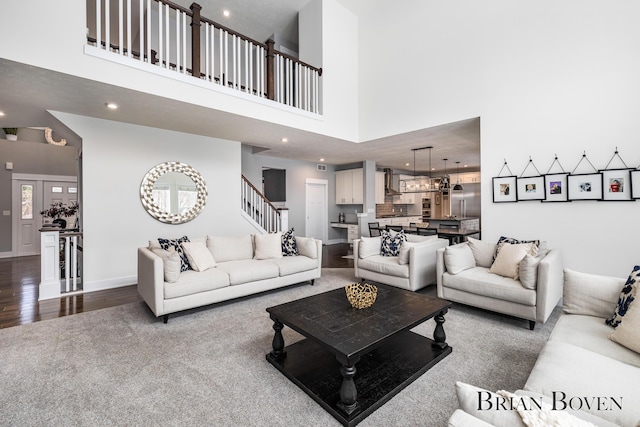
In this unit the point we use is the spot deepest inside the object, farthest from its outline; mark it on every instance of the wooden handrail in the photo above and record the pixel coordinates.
(284, 55)
(259, 192)
(177, 6)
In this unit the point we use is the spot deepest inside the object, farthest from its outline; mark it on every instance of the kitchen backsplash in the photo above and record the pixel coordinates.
(390, 209)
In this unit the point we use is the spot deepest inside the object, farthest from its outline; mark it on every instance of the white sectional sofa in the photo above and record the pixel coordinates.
(413, 269)
(241, 268)
(578, 362)
(464, 276)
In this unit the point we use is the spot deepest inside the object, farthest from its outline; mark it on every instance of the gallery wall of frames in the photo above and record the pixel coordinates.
(616, 182)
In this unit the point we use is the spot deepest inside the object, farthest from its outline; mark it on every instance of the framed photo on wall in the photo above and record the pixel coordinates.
(505, 189)
(531, 188)
(586, 186)
(635, 184)
(555, 187)
(616, 185)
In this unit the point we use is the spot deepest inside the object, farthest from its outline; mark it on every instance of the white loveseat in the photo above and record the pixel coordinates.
(578, 364)
(413, 269)
(464, 276)
(241, 269)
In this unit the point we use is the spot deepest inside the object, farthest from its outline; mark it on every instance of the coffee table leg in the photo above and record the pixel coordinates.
(278, 342)
(439, 336)
(348, 393)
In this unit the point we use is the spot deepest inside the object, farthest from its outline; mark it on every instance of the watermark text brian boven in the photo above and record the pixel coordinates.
(488, 401)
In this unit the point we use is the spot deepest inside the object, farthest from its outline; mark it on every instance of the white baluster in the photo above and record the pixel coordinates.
(297, 84)
(120, 28)
(316, 92)
(148, 32)
(66, 263)
(74, 263)
(141, 29)
(246, 65)
(129, 28)
(98, 23)
(226, 58)
(160, 47)
(178, 44)
(107, 25)
(184, 43)
(206, 51)
(167, 32)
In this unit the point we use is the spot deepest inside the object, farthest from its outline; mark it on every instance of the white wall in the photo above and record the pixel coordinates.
(116, 156)
(545, 77)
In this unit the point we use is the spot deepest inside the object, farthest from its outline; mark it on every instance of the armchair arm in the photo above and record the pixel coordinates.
(549, 286)
(422, 263)
(356, 249)
(441, 268)
(151, 280)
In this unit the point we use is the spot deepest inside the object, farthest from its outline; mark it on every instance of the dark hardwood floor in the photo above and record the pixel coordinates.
(20, 278)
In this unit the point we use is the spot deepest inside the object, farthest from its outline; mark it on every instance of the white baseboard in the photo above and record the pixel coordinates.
(101, 285)
(6, 254)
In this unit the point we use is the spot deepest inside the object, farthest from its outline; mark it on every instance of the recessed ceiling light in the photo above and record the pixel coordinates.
(466, 166)
(322, 159)
(407, 164)
(111, 105)
(285, 140)
(1, 113)
(226, 13)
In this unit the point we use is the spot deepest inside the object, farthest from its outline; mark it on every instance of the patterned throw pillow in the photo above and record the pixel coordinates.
(391, 243)
(626, 297)
(289, 246)
(513, 241)
(177, 245)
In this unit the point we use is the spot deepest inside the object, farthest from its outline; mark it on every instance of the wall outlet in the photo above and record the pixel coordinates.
(6, 213)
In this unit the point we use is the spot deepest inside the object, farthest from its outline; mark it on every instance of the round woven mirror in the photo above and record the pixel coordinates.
(173, 192)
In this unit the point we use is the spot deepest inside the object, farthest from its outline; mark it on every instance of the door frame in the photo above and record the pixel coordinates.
(325, 212)
(37, 205)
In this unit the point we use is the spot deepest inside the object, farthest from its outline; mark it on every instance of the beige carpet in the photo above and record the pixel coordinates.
(121, 366)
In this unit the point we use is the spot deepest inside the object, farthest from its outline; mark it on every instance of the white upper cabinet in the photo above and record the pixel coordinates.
(350, 187)
(379, 188)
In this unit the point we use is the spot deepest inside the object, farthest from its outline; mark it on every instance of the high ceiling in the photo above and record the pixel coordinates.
(29, 92)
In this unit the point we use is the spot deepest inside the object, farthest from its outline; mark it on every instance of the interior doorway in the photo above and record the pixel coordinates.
(317, 209)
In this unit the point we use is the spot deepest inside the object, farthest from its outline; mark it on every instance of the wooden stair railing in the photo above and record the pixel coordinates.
(260, 209)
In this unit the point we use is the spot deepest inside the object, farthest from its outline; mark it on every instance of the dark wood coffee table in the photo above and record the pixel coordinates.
(377, 339)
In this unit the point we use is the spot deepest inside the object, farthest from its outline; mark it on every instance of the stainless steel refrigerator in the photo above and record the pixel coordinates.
(466, 203)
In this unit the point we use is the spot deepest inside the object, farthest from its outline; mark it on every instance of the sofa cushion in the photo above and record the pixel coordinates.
(193, 282)
(483, 252)
(628, 332)
(479, 281)
(369, 246)
(384, 265)
(458, 258)
(294, 264)
(248, 270)
(177, 245)
(391, 243)
(232, 248)
(170, 263)
(590, 294)
(592, 334)
(416, 238)
(577, 372)
(528, 271)
(200, 258)
(268, 246)
(289, 245)
(307, 247)
(627, 295)
(508, 259)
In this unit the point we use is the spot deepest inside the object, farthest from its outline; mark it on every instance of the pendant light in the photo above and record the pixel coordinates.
(458, 186)
(444, 181)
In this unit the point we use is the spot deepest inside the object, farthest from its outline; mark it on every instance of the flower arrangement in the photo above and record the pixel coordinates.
(59, 209)
(10, 131)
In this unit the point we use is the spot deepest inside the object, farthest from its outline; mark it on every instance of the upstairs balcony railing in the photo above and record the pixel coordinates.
(170, 36)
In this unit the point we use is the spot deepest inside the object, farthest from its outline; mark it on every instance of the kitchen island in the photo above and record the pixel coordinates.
(468, 223)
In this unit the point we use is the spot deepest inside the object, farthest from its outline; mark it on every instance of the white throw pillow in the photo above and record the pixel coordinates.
(307, 247)
(509, 257)
(369, 246)
(475, 401)
(405, 249)
(548, 416)
(628, 331)
(230, 248)
(415, 238)
(268, 246)
(170, 263)
(482, 251)
(528, 271)
(458, 258)
(200, 257)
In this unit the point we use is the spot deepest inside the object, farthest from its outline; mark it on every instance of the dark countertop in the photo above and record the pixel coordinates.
(345, 223)
(452, 219)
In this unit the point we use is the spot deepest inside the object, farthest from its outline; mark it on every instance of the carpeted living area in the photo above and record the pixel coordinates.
(122, 366)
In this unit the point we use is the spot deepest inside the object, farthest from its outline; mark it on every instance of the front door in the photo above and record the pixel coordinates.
(28, 219)
(60, 191)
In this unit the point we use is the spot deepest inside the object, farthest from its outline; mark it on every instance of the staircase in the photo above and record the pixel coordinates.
(260, 211)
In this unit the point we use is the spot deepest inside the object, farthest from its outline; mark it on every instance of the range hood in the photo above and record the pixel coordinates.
(388, 180)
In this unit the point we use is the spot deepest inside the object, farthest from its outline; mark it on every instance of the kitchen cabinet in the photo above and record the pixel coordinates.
(349, 187)
(406, 198)
(353, 233)
(380, 188)
(399, 220)
(468, 178)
